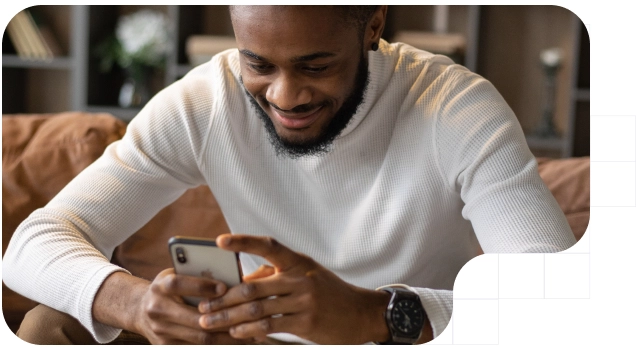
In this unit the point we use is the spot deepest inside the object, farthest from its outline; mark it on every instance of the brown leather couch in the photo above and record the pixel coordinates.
(42, 153)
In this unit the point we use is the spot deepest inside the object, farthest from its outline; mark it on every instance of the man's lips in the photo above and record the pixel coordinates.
(297, 120)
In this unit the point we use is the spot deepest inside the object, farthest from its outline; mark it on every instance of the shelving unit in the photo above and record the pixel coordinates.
(511, 39)
(579, 137)
(502, 44)
(77, 83)
(24, 80)
(196, 19)
(13, 61)
(439, 19)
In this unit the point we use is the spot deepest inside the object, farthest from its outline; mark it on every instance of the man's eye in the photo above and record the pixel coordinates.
(260, 68)
(316, 69)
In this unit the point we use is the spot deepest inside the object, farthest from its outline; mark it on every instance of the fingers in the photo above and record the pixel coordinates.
(176, 323)
(262, 272)
(260, 328)
(169, 283)
(280, 256)
(177, 334)
(170, 333)
(164, 302)
(170, 309)
(248, 312)
(252, 290)
(165, 319)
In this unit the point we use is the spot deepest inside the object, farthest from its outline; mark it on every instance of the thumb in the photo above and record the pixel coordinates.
(261, 272)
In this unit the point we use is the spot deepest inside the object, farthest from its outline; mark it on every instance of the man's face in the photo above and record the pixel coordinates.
(306, 71)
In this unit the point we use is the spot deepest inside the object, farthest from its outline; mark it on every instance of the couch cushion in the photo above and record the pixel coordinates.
(40, 155)
(569, 181)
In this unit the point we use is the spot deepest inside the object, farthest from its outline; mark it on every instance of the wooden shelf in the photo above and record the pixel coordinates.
(14, 61)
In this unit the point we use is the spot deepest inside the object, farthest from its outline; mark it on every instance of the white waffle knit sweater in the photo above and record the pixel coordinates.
(432, 166)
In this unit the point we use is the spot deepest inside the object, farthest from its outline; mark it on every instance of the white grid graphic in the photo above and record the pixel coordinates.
(566, 299)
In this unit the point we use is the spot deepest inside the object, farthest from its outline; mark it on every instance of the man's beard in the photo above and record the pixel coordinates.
(320, 145)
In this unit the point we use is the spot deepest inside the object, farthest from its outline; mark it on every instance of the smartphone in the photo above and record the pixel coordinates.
(202, 258)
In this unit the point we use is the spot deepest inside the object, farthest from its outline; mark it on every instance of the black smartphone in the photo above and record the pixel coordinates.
(202, 258)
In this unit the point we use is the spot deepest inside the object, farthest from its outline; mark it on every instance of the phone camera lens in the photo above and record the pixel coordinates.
(181, 255)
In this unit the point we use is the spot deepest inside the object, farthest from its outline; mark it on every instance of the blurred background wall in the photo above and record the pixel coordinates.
(502, 43)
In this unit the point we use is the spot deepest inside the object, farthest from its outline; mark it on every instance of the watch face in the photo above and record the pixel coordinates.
(407, 316)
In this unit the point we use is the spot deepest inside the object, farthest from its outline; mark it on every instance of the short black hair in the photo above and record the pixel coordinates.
(358, 15)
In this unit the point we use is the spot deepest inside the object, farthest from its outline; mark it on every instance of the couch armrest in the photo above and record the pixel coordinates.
(569, 181)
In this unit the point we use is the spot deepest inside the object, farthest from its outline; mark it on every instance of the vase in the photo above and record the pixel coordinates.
(135, 90)
(546, 128)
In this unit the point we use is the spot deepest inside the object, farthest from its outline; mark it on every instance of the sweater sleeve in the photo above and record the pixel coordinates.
(59, 256)
(439, 307)
(483, 156)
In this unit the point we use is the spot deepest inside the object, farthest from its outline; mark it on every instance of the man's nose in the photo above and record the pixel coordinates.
(287, 92)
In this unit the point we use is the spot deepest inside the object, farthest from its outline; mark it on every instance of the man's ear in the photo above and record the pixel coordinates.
(375, 27)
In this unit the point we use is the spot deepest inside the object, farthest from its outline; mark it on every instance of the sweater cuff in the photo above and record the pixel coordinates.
(438, 305)
(101, 332)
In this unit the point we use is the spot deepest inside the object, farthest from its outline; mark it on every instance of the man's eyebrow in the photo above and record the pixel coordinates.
(252, 55)
(298, 59)
(312, 57)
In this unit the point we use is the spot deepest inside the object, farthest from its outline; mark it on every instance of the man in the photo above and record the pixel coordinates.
(370, 164)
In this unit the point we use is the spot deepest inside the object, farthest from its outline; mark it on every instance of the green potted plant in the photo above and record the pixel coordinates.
(140, 45)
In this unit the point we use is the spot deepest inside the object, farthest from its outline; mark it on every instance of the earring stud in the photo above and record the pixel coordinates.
(374, 46)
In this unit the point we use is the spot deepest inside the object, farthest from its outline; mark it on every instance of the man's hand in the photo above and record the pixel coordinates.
(157, 311)
(296, 295)
(164, 318)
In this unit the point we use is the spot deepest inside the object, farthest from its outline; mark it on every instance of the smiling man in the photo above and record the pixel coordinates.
(307, 90)
(357, 178)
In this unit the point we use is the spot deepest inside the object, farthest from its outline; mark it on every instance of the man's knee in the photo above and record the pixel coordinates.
(43, 325)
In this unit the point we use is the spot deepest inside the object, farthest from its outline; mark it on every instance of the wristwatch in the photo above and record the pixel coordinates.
(404, 316)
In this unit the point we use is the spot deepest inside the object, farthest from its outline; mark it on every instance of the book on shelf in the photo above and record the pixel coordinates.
(439, 43)
(201, 48)
(18, 36)
(51, 43)
(31, 41)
